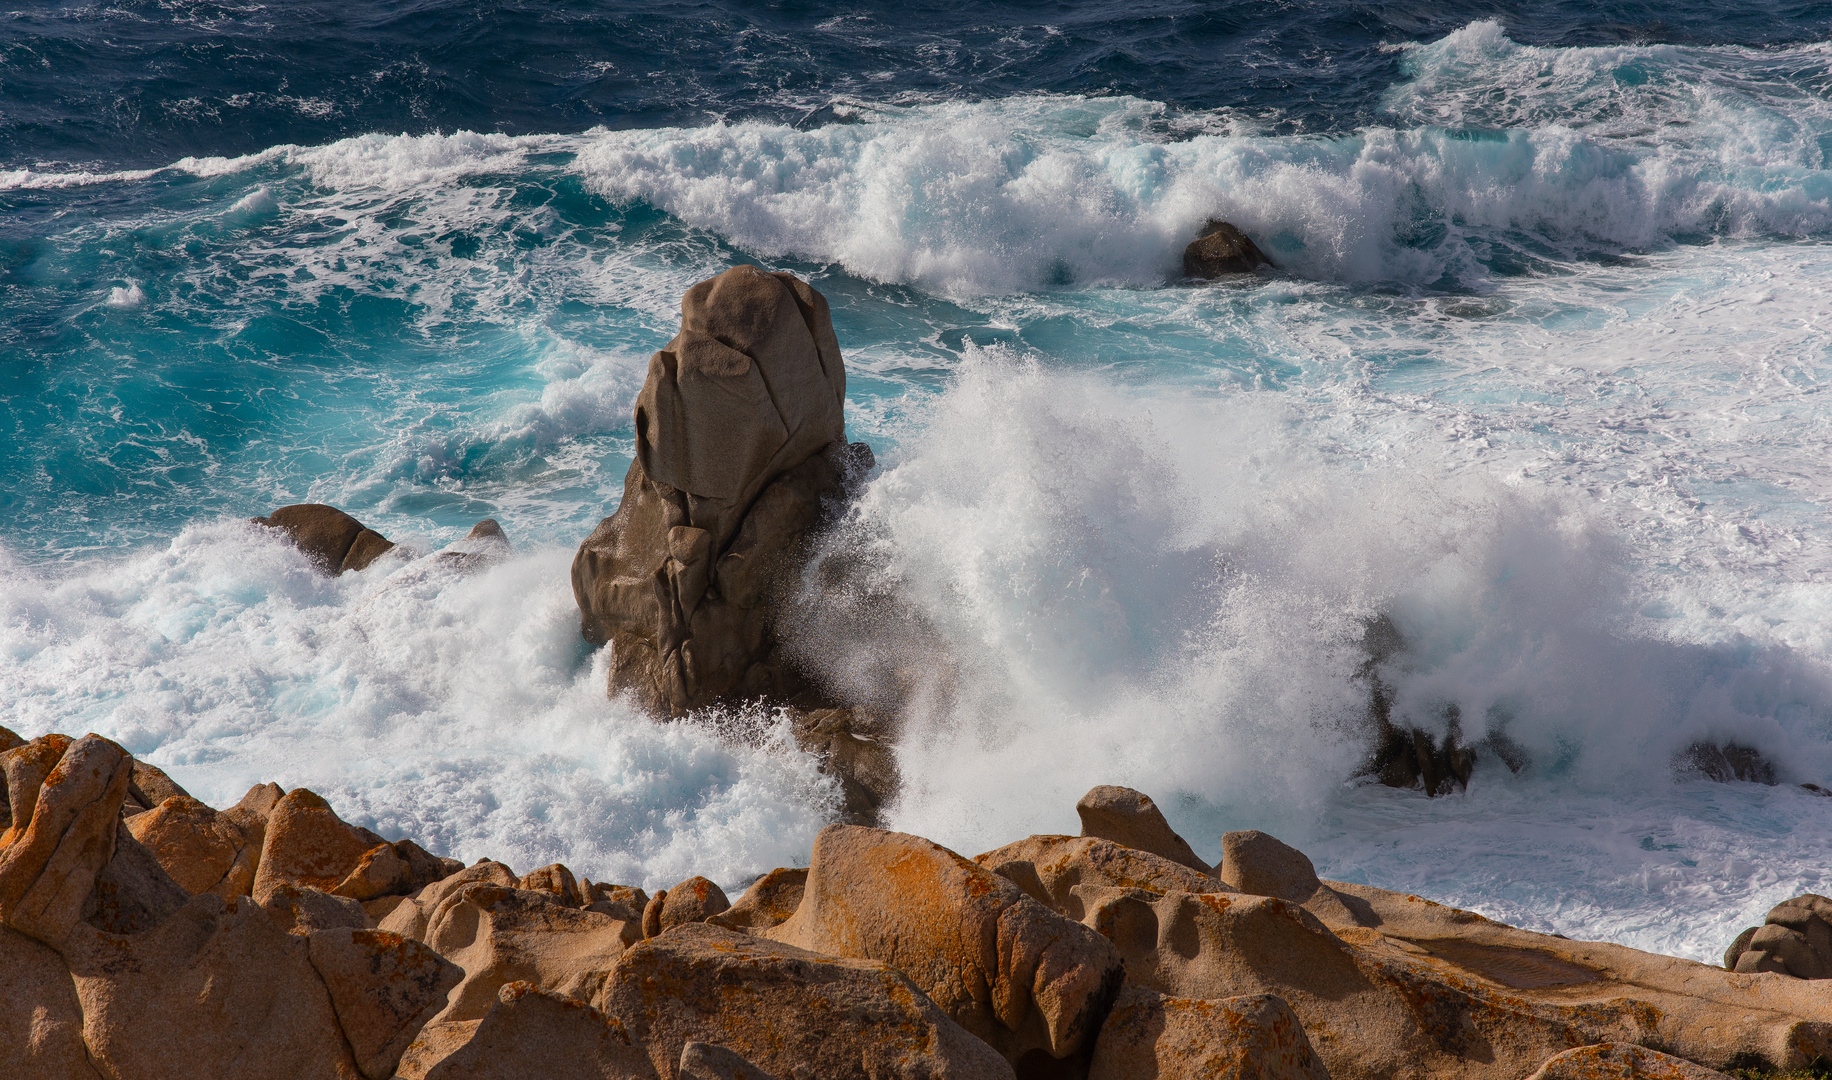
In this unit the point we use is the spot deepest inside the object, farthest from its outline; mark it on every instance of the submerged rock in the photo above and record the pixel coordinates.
(740, 449)
(1222, 249)
(332, 539)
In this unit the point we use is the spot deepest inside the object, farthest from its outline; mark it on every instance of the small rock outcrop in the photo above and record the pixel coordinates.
(1000, 964)
(1130, 818)
(1794, 939)
(1222, 249)
(740, 448)
(1615, 1061)
(332, 539)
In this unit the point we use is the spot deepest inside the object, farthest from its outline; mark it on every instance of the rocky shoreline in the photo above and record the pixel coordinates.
(145, 935)
(273, 939)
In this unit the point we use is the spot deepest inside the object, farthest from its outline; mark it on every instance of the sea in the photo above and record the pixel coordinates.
(1540, 377)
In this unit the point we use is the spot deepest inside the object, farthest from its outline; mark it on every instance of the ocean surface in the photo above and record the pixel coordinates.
(1542, 376)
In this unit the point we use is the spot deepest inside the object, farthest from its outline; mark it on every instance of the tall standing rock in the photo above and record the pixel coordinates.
(740, 439)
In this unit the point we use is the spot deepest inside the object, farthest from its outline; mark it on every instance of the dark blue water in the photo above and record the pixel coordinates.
(144, 83)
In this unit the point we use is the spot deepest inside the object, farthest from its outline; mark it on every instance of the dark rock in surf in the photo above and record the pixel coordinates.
(332, 539)
(1726, 763)
(1222, 249)
(485, 545)
(854, 750)
(740, 451)
(1411, 757)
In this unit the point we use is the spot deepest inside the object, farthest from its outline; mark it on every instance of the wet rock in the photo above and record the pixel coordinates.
(769, 901)
(1408, 756)
(41, 1021)
(334, 541)
(1222, 249)
(1615, 1061)
(501, 935)
(1726, 763)
(216, 990)
(485, 545)
(384, 988)
(1129, 818)
(529, 1034)
(740, 447)
(1002, 965)
(787, 1011)
(1150, 1035)
(1050, 869)
(65, 821)
(855, 750)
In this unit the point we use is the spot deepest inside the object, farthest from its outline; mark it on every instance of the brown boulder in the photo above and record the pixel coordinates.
(41, 1021)
(1129, 818)
(1002, 965)
(624, 902)
(558, 881)
(1263, 865)
(185, 836)
(770, 900)
(1222, 249)
(151, 786)
(787, 1011)
(740, 440)
(501, 935)
(1614, 1061)
(63, 832)
(333, 540)
(308, 844)
(384, 988)
(410, 918)
(1795, 939)
(216, 990)
(694, 900)
(854, 750)
(529, 1034)
(1148, 1036)
(1051, 868)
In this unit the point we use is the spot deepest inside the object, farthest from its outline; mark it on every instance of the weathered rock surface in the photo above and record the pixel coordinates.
(332, 539)
(1129, 818)
(787, 1011)
(411, 918)
(301, 909)
(216, 990)
(41, 1021)
(1051, 868)
(1612, 1061)
(704, 1061)
(1002, 965)
(384, 988)
(1148, 1036)
(1222, 249)
(740, 443)
(66, 797)
(694, 900)
(769, 901)
(529, 1034)
(499, 935)
(133, 892)
(1794, 939)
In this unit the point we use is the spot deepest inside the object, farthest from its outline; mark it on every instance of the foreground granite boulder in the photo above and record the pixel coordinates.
(740, 445)
(1002, 965)
(1612, 1061)
(788, 1011)
(1150, 1035)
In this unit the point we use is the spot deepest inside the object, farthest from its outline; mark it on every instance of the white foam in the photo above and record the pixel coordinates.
(460, 710)
(125, 297)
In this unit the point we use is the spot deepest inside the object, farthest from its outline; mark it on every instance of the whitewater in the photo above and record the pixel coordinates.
(1539, 376)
